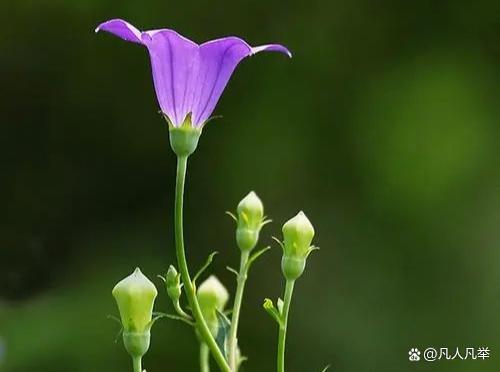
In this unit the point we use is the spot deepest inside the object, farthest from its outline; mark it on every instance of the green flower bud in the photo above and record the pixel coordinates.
(250, 213)
(212, 296)
(184, 139)
(135, 296)
(173, 282)
(298, 233)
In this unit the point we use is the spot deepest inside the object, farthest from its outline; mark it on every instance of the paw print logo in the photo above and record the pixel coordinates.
(414, 354)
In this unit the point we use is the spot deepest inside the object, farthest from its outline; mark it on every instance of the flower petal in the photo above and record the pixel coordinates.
(218, 60)
(188, 78)
(122, 29)
(175, 65)
(272, 48)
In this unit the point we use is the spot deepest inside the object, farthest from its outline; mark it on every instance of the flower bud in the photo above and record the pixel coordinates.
(298, 233)
(250, 221)
(135, 296)
(212, 296)
(173, 282)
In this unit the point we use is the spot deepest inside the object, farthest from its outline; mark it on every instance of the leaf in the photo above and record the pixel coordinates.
(256, 255)
(326, 368)
(158, 315)
(205, 266)
(271, 310)
(222, 331)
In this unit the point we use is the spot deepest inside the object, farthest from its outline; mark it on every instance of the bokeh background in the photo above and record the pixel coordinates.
(383, 128)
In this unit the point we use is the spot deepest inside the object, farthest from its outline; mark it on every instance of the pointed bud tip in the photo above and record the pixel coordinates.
(250, 199)
(299, 222)
(213, 291)
(252, 207)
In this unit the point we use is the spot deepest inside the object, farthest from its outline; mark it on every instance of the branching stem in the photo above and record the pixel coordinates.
(284, 317)
(189, 288)
(235, 318)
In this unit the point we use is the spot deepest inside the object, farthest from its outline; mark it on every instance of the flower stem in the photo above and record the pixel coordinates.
(189, 289)
(204, 358)
(238, 298)
(136, 361)
(283, 326)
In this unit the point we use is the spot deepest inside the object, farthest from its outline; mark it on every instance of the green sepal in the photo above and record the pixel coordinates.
(240, 361)
(271, 310)
(120, 331)
(234, 271)
(279, 242)
(184, 139)
(230, 214)
(205, 266)
(311, 249)
(224, 326)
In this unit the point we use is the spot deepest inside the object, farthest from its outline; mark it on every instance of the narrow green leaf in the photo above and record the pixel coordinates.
(205, 266)
(158, 315)
(256, 255)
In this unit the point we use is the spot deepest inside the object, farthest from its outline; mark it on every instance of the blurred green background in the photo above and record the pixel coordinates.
(383, 128)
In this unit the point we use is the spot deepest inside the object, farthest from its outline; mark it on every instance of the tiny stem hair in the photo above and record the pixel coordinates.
(238, 299)
(189, 289)
(282, 331)
(204, 357)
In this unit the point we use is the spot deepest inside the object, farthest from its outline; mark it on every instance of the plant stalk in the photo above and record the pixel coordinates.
(189, 289)
(204, 357)
(235, 318)
(284, 317)
(137, 363)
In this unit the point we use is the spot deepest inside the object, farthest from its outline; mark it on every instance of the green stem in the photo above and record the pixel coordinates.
(235, 318)
(189, 289)
(204, 358)
(283, 326)
(136, 361)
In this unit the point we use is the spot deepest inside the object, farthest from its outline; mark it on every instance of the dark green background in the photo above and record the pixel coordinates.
(383, 128)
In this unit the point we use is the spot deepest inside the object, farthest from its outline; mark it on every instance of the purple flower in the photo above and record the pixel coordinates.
(188, 78)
